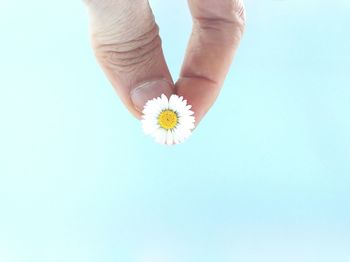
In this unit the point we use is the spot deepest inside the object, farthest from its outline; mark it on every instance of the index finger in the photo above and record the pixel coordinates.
(217, 30)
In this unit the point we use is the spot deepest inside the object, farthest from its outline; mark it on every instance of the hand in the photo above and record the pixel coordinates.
(128, 47)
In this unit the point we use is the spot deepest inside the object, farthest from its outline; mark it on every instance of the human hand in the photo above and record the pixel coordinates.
(125, 39)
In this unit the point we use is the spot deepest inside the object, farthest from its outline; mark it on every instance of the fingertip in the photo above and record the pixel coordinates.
(200, 94)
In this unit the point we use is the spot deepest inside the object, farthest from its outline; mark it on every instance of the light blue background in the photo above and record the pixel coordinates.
(266, 176)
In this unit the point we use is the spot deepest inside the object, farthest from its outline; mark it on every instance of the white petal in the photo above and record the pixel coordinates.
(186, 133)
(164, 102)
(185, 113)
(187, 126)
(160, 135)
(176, 106)
(170, 138)
(149, 127)
(177, 136)
(151, 108)
(151, 113)
(173, 102)
(181, 135)
(186, 120)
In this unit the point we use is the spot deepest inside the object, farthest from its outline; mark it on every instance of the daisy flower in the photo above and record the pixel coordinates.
(168, 121)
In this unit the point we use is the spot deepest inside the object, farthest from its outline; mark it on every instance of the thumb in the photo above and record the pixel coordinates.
(126, 42)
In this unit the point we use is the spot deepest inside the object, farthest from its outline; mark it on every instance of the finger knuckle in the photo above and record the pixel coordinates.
(97, 3)
(130, 55)
(219, 31)
(228, 16)
(239, 10)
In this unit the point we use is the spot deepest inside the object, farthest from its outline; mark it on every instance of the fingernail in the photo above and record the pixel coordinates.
(149, 90)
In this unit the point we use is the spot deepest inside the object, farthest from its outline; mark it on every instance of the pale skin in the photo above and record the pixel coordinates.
(126, 41)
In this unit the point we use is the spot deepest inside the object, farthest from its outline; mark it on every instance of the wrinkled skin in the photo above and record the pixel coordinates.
(125, 39)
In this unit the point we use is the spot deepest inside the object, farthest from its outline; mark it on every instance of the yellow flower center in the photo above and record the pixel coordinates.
(167, 119)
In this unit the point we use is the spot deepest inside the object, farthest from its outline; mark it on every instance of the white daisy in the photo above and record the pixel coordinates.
(168, 121)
